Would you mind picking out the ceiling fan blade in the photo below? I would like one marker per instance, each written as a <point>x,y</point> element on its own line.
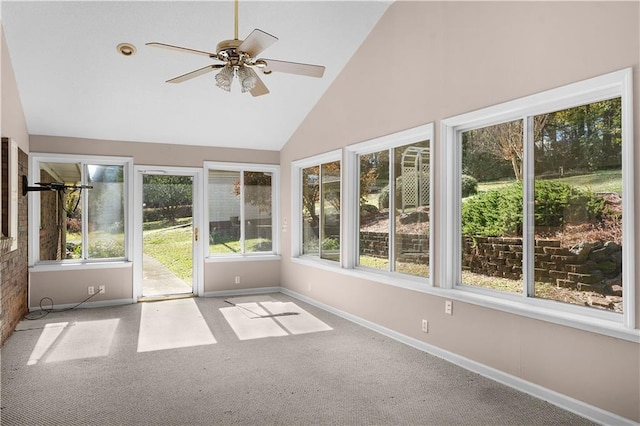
<point>181,49</point>
<point>196,73</point>
<point>259,89</point>
<point>292,68</point>
<point>256,42</point>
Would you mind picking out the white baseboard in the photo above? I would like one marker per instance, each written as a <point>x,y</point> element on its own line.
<point>96,304</point>
<point>243,292</point>
<point>563,401</point>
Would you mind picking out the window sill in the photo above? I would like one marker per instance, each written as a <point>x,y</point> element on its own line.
<point>242,258</point>
<point>75,266</point>
<point>607,323</point>
<point>389,278</point>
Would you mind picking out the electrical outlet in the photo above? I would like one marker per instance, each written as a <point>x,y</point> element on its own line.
<point>237,279</point>
<point>448,307</point>
<point>425,325</point>
<point>91,289</point>
<point>102,289</point>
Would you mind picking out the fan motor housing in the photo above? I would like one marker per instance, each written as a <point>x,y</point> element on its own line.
<point>229,48</point>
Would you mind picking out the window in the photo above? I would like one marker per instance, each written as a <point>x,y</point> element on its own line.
<point>540,209</point>
<point>241,209</point>
<point>319,199</point>
<point>394,209</point>
<point>367,207</point>
<point>81,212</point>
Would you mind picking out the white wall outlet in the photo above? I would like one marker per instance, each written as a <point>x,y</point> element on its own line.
<point>237,281</point>
<point>102,289</point>
<point>425,325</point>
<point>91,289</point>
<point>448,307</point>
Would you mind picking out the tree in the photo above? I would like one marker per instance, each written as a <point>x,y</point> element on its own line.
<point>167,193</point>
<point>257,190</point>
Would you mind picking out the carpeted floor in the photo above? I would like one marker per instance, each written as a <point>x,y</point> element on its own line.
<point>88,367</point>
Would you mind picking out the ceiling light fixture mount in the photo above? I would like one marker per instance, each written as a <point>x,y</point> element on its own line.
<point>126,49</point>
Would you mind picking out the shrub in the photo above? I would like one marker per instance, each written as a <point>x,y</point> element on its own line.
<point>330,244</point>
<point>499,212</point>
<point>74,225</point>
<point>102,249</point>
<point>383,199</point>
<point>469,185</point>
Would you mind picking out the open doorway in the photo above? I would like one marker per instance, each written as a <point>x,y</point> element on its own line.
<point>168,233</point>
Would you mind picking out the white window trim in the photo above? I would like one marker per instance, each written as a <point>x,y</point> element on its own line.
<point>393,140</point>
<point>615,84</point>
<point>349,202</point>
<point>274,169</point>
<point>297,207</point>
<point>34,207</point>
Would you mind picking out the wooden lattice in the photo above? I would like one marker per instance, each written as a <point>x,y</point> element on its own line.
<point>415,177</point>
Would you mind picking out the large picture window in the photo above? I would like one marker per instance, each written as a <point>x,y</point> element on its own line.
<point>82,214</point>
<point>542,198</point>
<point>241,209</point>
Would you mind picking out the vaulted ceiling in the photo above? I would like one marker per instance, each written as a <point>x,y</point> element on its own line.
<point>73,81</point>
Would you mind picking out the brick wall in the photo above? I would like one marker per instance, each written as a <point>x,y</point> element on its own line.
<point>51,215</point>
<point>13,270</point>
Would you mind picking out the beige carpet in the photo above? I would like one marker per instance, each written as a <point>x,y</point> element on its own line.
<point>87,367</point>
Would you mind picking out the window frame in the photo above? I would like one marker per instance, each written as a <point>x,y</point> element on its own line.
<point>274,169</point>
<point>607,86</point>
<point>35,160</point>
<point>349,205</point>
<point>296,205</point>
<point>393,140</point>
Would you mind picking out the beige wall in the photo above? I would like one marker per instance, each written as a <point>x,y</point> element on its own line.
<point>427,61</point>
<point>220,276</point>
<point>153,154</point>
<point>69,285</point>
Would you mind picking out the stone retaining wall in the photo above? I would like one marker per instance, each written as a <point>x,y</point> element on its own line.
<point>586,266</point>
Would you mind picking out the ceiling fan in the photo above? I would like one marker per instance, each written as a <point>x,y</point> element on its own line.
<point>238,58</point>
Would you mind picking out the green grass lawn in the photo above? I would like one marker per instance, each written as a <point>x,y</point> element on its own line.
<point>254,245</point>
<point>600,181</point>
<point>416,269</point>
<point>173,248</point>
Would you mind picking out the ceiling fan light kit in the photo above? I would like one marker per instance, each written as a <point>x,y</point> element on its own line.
<point>238,59</point>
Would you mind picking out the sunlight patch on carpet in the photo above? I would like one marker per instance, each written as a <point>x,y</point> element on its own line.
<point>86,339</point>
<point>50,333</point>
<point>270,319</point>
<point>172,324</point>
<point>302,323</point>
<point>244,319</point>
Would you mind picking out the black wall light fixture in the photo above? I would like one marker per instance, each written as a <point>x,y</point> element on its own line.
<point>50,186</point>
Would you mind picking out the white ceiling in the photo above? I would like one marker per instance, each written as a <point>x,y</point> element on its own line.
<point>73,82</point>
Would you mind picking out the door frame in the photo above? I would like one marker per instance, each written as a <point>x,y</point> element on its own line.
<point>198,259</point>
